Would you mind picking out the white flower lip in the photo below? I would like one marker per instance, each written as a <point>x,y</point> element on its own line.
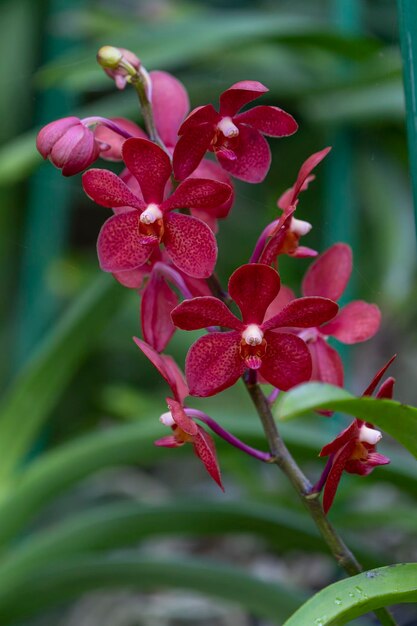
<point>369,435</point>
<point>253,335</point>
<point>166,419</point>
<point>151,214</point>
<point>227,127</point>
<point>300,227</point>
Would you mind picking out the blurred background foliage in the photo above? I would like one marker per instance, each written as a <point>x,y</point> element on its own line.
<point>86,501</point>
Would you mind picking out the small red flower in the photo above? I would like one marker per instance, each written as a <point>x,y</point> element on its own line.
<point>218,359</point>
<point>127,239</point>
<point>354,449</point>
<point>283,236</point>
<point>185,430</point>
<point>69,144</point>
<point>235,138</point>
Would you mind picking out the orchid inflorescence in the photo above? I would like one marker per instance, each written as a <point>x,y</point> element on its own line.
<point>169,193</point>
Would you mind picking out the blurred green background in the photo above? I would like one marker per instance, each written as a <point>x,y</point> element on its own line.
<point>80,404</point>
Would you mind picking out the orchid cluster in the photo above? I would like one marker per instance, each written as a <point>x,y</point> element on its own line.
<point>160,240</point>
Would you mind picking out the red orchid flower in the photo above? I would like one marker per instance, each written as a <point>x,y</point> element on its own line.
<point>127,239</point>
<point>235,138</point>
<point>184,429</point>
<point>356,322</point>
<point>354,449</point>
<point>215,361</point>
<point>283,235</point>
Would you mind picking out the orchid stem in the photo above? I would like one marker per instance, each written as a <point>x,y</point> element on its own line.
<point>172,275</point>
<point>284,460</point>
<point>265,457</point>
<point>103,121</point>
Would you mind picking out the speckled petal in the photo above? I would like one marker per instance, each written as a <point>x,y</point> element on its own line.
<point>253,156</point>
<point>167,367</point>
<point>214,363</point>
<point>335,474</point>
<point>287,361</point>
<point>203,312</point>
<point>150,165</point>
<point>190,149</point>
<point>158,300</point>
<point>120,246</point>
<point>109,190</point>
<point>198,193</point>
<point>253,287</point>
<point>304,313</point>
<point>327,364</point>
<point>269,120</point>
<point>205,450</point>
<point>190,244</point>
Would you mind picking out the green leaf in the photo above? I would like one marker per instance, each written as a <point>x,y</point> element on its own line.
<point>113,526</point>
<point>37,388</point>
<point>399,420</point>
<point>347,599</point>
<point>66,580</point>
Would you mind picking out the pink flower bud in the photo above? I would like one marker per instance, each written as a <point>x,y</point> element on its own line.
<point>68,144</point>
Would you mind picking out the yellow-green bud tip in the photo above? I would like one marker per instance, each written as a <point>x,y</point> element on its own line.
<point>109,57</point>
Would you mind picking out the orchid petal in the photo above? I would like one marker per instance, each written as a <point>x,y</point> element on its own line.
<point>109,190</point>
<point>190,149</point>
<point>104,135</point>
<point>351,433</point>
<point>52,132</point>
<point>75,150</point>
<point>327,364</point>
<point>253,287</point>
<point>253,156</point>
<point>239,94</point>
<point>213,171</point>
<point>335,474</point>
<point>206,114</point>
<point>168,442</point>
<point>377,378</point>
<point>355,322</point>
<point>190,244</point>
<point>205,449</point>
<point>158,300</point>
<point>198,193</point>
<point>290,196</point>
<point>150,165</point>
<point>167,367</point>
<point>287,361</point>
<point>285,296</point>
<point>120,246</point>
<point>330,273</point>
<point>132,279</point>
<point>387,389</point>
<point>269,120</point>
<point>170,105</point>
<point>203,312</point>
<point>181,418</point>
<point>303,313</point>
<point>214,363</point>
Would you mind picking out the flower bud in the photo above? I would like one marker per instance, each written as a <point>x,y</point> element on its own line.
<point>118,63</point>
<point>68,144</point>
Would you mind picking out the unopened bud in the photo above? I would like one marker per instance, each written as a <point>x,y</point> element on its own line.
<point>109,57</point>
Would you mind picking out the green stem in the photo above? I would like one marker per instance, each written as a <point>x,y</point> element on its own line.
<point>284,460</point>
